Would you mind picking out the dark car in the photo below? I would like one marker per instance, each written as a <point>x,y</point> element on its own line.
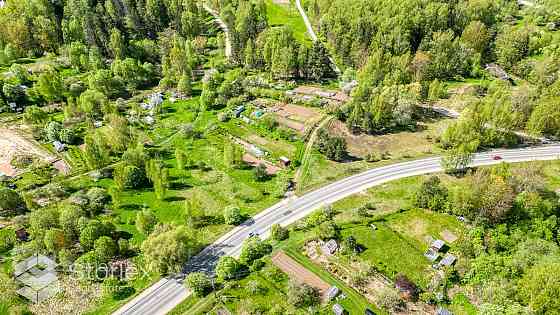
<point>369,312</point>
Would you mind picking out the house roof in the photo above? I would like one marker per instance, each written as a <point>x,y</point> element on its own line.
<point>332,292</point>
<point>330,247</point>
<point>431,254</point>
<point>443,311</point>
<point>438,244</point>
<point>448,260</point>
<point>338,309</point>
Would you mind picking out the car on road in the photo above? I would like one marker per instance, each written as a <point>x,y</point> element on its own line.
<point>497,157</point>
<point>253,234</point>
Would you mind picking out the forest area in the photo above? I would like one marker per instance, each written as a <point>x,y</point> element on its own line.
<point>156,122</point>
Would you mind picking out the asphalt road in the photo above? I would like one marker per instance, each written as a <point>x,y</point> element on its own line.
<point>168,293</point>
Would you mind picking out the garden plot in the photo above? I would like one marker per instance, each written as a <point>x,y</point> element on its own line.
<point>330,96</point>
<point>296,117</point>
<point>299,272</point>
<point>13,143</point>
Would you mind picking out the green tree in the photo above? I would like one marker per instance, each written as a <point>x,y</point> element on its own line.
<point>50,85</point>
<point>93,231</point>
<point>253,248</point>
<point>302,295</point>
<point>35,115</point>
<point>431,195</point>
<point>512,45</point>
<point>166,251</point>
<point>129,177</point>
<point>181,158</point>
<point>260,173</point>
<point>117,44</point>
<point>158,174</point>
<point>199,283</point>
<point>145,221</point>
<point>228,268</point>
<point>105,248</point>
<point>69,218</point>
<point>185,84</point>
<point>95,152</point>
<point>11,202</point>
<point>232,215</point>
<point>54,240</point>
<point>540,287</point>
<point>279,233</point>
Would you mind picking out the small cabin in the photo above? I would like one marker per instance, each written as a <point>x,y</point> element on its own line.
<point>338,309</point>
<point>330,247</point>
<point>285,161</point>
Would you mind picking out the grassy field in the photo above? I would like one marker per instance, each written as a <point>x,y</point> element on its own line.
<point>396,147</point>
<point>287,14</point>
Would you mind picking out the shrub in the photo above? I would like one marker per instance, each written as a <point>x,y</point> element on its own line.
<point>254,248</point>
<point>232,215</point>
<point>279,233</point>
<point>199,283</point>
<point>11,202</point>
<point>302,295</point>
<point>228,268</point>
<point>129,176</point>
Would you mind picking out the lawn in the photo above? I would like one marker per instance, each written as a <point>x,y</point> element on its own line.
<point>389,251</point>
<point>287,14</point>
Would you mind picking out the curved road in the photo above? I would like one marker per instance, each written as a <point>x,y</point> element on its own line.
<point>168,293</point>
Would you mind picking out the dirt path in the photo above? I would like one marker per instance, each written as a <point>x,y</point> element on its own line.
<point>223,26</point>
<point>304,168</point>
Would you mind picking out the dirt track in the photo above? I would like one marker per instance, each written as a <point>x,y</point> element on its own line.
<point>298,272</point>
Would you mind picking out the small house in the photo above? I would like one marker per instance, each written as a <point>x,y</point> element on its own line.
<point>146,106</point>
<point>156,99</point>
<point>246,120</point>
<point>256,151</point>
<point>237,112</point>
<point>149,120</point>
<point>338,309</point>
<point>332,292</point>
<point>448,260</point>
<point>285,161</point>
<point>330,247</point>
<point>258,114</point>
<point>98,124</point>
<point>431,255</point>
<point>58,146</point>
<point>373,226</point>
<point>437,245</point>
<point>443,311</point>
